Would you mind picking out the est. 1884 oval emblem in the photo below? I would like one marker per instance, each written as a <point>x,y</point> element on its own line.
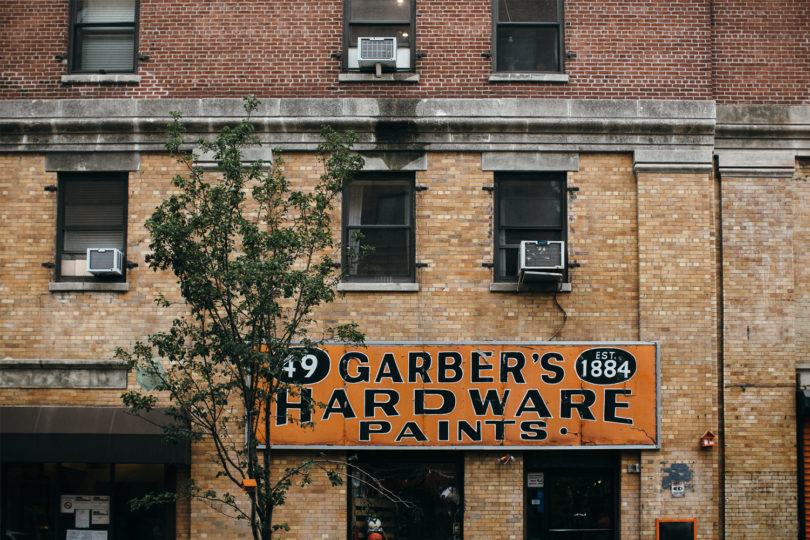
<point>606,365</point>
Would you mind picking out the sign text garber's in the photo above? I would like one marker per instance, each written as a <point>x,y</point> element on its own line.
<point>482,395</point>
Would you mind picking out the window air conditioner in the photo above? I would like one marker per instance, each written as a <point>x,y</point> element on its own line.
<point>377,50</point>
<point>105,261</point>
<point>542,260</point>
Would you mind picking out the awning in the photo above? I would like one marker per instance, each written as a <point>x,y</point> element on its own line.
<point>86,434</point>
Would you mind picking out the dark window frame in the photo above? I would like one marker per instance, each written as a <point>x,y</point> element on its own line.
<point>66,177</point>
<point>501,177</point>
<point>380,177</point>
<point>385,457</point>
<point>75,33</point>
<point>559,24</point>
<point>348,23</point>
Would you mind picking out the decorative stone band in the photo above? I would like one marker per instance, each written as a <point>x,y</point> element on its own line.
<point>384,126</point>
<point>59,373</point>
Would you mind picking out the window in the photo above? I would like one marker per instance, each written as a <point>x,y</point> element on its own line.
<point>46,500</point>
<point>528,35</point>
<point>92,214</point>
<point>104,36</point>
<point>378,229</point>
<point>430,486</point>
<point>379,19</point>
<point>528,206</point>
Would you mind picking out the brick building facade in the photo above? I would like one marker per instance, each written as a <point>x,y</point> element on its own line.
<point>674,133</point>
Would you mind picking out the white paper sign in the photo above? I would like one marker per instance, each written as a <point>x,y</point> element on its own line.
<point>535,480</point>
<point>82,518</point>
<point>100,517</point>
<point>75,534</point>
<point>67,504</point>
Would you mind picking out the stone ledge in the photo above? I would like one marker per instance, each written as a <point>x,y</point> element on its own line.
<point>378,287</point>
<point>87,286</point>
<point>529,77</point>
<point>62,373</point>
<point>106,78</point>
<point>406,77</point>
<point>510,286</point>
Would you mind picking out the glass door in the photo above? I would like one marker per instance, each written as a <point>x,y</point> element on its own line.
<point>570,504</point>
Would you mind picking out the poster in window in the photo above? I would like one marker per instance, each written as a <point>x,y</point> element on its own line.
<point>82,518</point>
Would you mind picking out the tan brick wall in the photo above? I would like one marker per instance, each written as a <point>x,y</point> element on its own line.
<point>762,219</point>
<point>677,305</point>
<point>646,246</point>
<point>494,497</point>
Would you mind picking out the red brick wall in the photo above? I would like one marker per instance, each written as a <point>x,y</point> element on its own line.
<point>624,50</point>
<point>762,51</point>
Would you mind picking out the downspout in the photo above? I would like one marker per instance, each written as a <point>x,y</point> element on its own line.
<point>721,368</point>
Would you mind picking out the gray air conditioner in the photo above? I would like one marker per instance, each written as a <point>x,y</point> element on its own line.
<point>377,50</point>
<point>105,261</point>
<point>542,260</point>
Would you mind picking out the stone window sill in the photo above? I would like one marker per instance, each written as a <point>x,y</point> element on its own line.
<point>87,286</point>
<point>108,78</point>
<point>511,286</point>
<point>529,77</point>
<point>378,287</point>
<point>396,76</point>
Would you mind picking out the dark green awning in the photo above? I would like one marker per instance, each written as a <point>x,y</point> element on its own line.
<point>86,434</point>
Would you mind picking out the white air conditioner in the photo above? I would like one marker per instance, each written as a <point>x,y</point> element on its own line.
<point>542,260</point>
<point>105,261</point>
<point>377,50</point>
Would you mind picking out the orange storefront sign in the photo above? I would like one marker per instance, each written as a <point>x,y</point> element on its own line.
<point>489,395</point>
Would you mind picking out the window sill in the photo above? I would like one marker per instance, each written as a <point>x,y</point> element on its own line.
<point>109,78</point>
<point>512,286</point>
<point>396,76</point>
<point>87,286</point>
<point>378,287</point>
<point>528,77</point>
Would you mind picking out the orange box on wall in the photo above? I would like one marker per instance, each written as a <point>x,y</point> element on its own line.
<point>487,395</point>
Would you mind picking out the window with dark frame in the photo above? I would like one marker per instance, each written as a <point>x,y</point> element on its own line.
<point>378,232</point>
<point>430,489</point>
<point>528,206</point>
<point>379,19</point>
<point>528,35</point>
<point>92,213</point>
<point>103,36</point>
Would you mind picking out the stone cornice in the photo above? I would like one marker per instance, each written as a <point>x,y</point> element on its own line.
<point>759,141</point>
<point>491,125</point>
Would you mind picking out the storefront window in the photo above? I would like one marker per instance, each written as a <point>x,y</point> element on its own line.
<point>59,501</point>
<point>429,489</point>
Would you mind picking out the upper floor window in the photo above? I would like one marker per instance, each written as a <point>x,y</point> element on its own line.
<point>528,35</point>
<point>92,215</point>
<point>103,36</point>
<point>378,230</point>
<point>528,206</point>
<point>392,19</point>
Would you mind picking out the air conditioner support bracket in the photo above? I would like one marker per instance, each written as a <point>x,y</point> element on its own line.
<point>378,70</point>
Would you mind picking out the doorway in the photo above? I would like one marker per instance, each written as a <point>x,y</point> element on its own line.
<point>570,499</point>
